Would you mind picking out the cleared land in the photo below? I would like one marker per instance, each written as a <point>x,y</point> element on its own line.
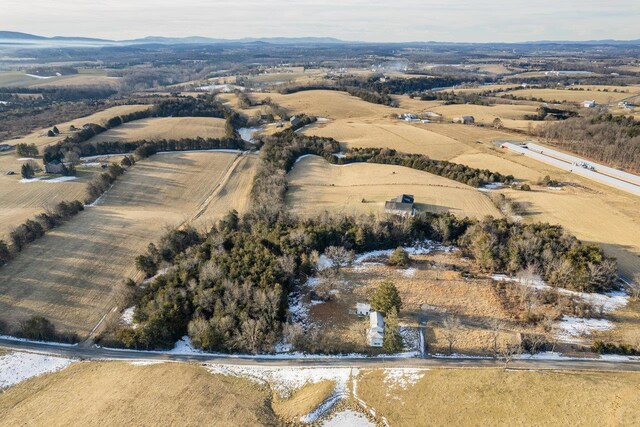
<point>41,139</point>
<point>118,393</point>
<point>394,134</point>
<point>20,201</point>
<point>316,185</point>
<point>505,398</point>
<point>88,78</point>
<point>157,128</point>
<point>565,95</point>
<point>69,275</point>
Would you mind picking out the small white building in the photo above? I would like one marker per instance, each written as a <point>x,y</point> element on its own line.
<point>375,335</point>
<point>363,309</point>
<point>465,120</point>
<point>589,104</point>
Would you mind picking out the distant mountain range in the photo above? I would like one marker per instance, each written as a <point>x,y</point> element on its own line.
<point>24,38</point>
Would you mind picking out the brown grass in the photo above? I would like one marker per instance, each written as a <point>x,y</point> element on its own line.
<point>156,128</point>
<point>303,401</point>
<point>564,95</point>
<point>117,393</point>
<point>316,185</point>
<point>474,397</point>
<point>69,275</point>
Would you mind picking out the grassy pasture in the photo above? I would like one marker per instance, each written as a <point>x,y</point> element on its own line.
<point>156,128</point>
<point>565,95</point>
<point>315,185</point>
<point>69,275</point>
<point>402,136</point>
<point>119,393</point>
<point>473,397</point>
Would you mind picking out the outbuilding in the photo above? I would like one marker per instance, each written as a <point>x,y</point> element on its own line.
<point>465,120</point>
<point>363,309</point>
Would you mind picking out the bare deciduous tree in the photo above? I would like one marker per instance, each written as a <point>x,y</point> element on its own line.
<point>451,329</point>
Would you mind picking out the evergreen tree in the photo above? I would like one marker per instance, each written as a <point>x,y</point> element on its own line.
<point>386,298</point>
<point>392,340</point>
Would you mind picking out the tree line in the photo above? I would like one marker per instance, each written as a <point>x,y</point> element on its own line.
<point>608,138</point>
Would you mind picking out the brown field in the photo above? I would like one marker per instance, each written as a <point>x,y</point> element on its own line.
<point>79,80</point>
<point>329,104</point>
<point>19,202</point>
<point>565,95</point>
<point>41,139</point>
<point>157,128</point>
<point>316,185</point>
<point>474,397</point>
<point>69,275</point>
<point>402,136</point>
<point>118,393</point>
<point>303,400</point>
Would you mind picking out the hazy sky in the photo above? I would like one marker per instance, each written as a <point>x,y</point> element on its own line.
<point>365,20</point>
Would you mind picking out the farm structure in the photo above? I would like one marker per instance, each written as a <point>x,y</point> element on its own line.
<point>375,334</point>
<point>589,104</point>
<point>465,120</point>
<point>401,206</point>
<point>363,309</point>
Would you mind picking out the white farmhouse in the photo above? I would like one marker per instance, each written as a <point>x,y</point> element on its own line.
<point>363,309</point>
<point>589,104</point>
<point>376,329</point>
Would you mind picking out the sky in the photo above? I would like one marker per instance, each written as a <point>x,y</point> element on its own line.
<point>355,20</point>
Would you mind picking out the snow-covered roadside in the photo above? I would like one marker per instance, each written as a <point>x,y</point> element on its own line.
<point>57,344</point>
<point>17,367</point>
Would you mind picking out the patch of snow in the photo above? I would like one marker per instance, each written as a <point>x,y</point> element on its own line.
<point>184,346</point>
<point>316,302</point>
<point>17,367</point>
<point>403,377</point>
<point>25,159</point>
<point>303,157</point>
<point>286,379</point>
<point>213,150</point>
<point>610,301</point>
<point>35,76</point>
<point>420,248</point>
<point>146,362</point>
<point>348,417</point>
<point>127,316</point>
<point>322,120</point>
<point>409,272</point>
<point>552,355</point>
<point>340,155</point>
<point>491,186</point>
<point>43,179</point>
<point>570,328</point>
<point>247,133</point>
<point>155,276</point>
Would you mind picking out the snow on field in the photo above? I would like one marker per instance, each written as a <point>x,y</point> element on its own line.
<point>610,301</point>
<point>348,417</point>
<point>409,272</point>
<point>570,328</point>
<point>552,355</point>
<point>127,316</point>
<point>43,179</point>
<point>146,362</point>
<point>302,157</point>
<point>35,76</point>
<point>247,133</point>
<point>17,367</point>
<point>491,186</point>
<point>403,377</point>
<point>25,159</point>
<point>287,379</point>
<point>10,338</point>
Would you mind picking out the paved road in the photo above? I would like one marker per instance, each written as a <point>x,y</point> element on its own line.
<point>98,353</point>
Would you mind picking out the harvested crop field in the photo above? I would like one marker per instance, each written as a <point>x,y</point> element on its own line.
<point>329,103</point>
<point>401,136</point>
<point>119,393</point>
<point>69,275</point>
<point>565,95</point>
<point>316,185</point>
<point>156,128</point>
<point>21,201</point>
<point>41,139</point>
<point>466,397</point>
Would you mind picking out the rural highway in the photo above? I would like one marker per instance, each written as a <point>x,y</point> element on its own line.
<point>98,353</point>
